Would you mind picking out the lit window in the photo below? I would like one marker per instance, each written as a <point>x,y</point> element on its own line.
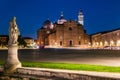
<point>118,43</point>
<point>111,43</point>
<point>60,37</point>
<point>101,44</point>
<point>105,43</point>
<point>79,37</point>
<point>117,34</point>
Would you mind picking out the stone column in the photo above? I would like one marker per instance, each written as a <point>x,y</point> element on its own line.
<point>12,62</point>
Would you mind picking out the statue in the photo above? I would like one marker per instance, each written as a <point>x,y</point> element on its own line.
<point>12,62</point>
<point>13,32</point>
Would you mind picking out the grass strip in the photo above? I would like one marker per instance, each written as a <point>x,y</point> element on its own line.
<point>69,66</point>
<point>2,62</point>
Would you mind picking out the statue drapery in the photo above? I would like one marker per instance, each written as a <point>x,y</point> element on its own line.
<point>13,32</point>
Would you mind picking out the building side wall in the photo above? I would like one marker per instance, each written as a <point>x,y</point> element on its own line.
<point>40,37</point>
<point>59,35</point>
<point>52,39</point>
<point>111,38</point>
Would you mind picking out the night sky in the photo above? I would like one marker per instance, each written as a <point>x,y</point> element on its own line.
<point>99,15</point>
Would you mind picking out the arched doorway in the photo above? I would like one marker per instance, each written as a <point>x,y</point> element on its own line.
<point>70,42</point>
<point>79,43</point>
<point>60,43</point>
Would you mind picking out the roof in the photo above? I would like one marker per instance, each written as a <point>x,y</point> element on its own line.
<point>104,32</point>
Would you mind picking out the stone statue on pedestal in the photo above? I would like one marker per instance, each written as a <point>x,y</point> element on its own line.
<point>13,32</point>
<point>12,61</point>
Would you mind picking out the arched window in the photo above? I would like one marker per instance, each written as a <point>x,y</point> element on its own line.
<point>70,28</point>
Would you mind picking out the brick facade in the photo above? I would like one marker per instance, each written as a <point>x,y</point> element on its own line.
<point>68,34</point>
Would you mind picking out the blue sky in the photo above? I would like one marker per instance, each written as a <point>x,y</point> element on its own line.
<point>99,15</point>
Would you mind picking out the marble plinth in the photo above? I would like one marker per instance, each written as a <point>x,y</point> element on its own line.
<point>12,62</point>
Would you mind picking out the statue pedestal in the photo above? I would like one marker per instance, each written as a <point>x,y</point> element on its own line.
<point>12,61</point>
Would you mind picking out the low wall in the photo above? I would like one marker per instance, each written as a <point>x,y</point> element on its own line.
<point>26,73</point>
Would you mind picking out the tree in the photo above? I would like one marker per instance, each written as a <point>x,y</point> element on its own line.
<point>21,41</point>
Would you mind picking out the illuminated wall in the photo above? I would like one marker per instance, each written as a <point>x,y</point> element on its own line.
<point>108,38</point>
<point>68,34</point>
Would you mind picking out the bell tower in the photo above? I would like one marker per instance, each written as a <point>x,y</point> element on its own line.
<point>80,17</point>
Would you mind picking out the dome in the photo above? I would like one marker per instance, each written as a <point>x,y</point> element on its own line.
<point>48,24</point>
<point>62,19</point>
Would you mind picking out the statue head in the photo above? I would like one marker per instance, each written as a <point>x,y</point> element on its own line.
<point>14,18</point>
<point>13,21</point>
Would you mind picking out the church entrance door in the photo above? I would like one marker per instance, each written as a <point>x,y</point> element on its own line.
<point>71,43</point>
<point>60,43</point>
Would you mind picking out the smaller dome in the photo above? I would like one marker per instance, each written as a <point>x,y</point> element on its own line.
<point>48,24</point>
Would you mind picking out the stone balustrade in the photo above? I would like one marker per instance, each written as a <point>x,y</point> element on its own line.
<point>26,73</point>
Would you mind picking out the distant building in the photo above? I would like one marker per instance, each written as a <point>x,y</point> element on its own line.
<point>4,40</point>
<point>106,38</point>
<point>63,32</point>
<point>29,41</point>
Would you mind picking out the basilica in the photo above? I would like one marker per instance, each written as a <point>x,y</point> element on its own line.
<point>63,33</point>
